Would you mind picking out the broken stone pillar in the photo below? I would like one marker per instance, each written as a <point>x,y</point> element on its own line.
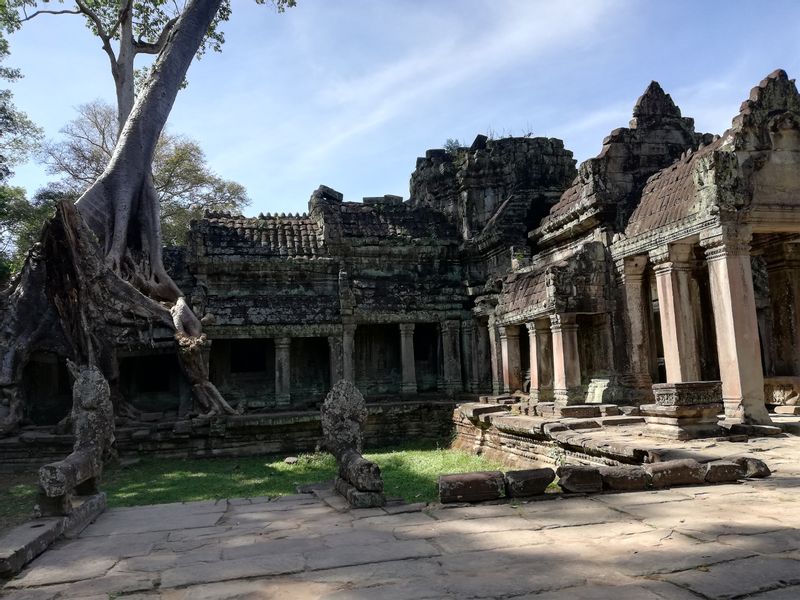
<point>409,383</point>
<point>509,346</point>
<point>783,271</point>
<point>673,271</point>
<point>470,355</point>
<point>566,360</point>
<point>451,356</point>
<point>283,382</point>
<point>684,410</point>
<point>348,351</point>
<point>342,416</point>
<point>336,363</point>
<point>738,346</point>
<point>495,355</point>
<point>635,319</point>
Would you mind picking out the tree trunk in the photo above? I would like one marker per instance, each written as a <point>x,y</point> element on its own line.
<point>123,74</point>
<point>76,297</point>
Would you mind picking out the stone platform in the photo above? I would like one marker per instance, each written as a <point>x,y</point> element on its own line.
<point>726,541</point>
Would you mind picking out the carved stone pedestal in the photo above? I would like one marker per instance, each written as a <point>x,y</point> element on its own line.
<point>685,411</point>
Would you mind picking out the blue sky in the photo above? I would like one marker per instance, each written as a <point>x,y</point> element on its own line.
<point>349,93</point>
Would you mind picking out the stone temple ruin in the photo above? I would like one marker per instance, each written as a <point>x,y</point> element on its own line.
<point>660,280</point>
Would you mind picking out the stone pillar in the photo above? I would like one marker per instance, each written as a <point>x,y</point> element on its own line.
<point>673,271</point>
<point>483,357</point>
<point>283,381</point>
<point>470,352</point>
<point>783,270</point>
<point>636,325</point>
<point>348,351</point>
<point>336,363</point>
<point>566,360</point>
<point>544,360</point>
<point>451,356</point>
<point>409,384</point>
<point>734,304</point>
<point>509,346</point>
<point>496,358</point>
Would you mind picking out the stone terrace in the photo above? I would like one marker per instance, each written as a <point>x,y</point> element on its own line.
<point>679,543</point>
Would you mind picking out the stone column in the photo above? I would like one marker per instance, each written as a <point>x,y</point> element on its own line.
<point>470,355</point>
<point>635,322</point>
<point>348,351</point>
<point>783,270</point>
<point>673,271</point>
<point>495,355</point>
<point>544,359</point>
<point>409,384</point>
<point>566,359</point>
<point>451,356</point>
<point>336,364</point>
<point>509,346</point>
<point>483,357</point>
<point>283,381</point>
<point>734,304</point>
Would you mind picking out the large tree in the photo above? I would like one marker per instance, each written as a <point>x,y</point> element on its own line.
<point>185,184</point>
<point>18,138</point>
<point>98,270</point>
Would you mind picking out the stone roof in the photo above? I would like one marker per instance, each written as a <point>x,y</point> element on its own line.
<point>607,185</point>
<point>669,195</point>
<point>266,235</point>
<point>393,220</point>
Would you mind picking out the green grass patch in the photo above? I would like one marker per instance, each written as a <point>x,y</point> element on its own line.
<point>409,472</point>
<point>17,497</point>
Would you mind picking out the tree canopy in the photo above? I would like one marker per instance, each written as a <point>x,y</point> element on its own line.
<point>126,29</point>
<point>185,184</point>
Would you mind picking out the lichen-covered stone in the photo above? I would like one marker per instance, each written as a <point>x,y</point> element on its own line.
<point>471,487</point>
<point>579,479</point>
<point>676,472</point>
<point>344,413</point>
<point>528,482</point>
<point>624,478</point>
<point>753,467</point>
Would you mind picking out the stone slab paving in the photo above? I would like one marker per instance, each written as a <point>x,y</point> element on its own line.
<point>725,541</point>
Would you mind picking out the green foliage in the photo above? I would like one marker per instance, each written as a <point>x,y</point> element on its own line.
<point>453,146</point>
<point>185,184</point>
<point>17,497</point>
<point>151,19</point>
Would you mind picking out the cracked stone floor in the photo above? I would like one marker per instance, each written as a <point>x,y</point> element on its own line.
<point>726,541</point>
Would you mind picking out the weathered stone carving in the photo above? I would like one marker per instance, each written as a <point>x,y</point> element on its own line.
<point>344,413</point>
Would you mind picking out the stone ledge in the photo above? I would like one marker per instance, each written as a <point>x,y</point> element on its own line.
<point>25,542</point>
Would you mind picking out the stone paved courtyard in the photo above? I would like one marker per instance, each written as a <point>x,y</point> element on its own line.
<point>726,541</point>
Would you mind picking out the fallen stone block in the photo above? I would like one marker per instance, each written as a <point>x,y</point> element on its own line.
<point>471,487</point>
<point>676,472</point>
<point>720,471</point>
<point>529,482</point>
<point>787,410</point>
<point>624,478</point>
<point>752,467</point>
<point>579,479</point>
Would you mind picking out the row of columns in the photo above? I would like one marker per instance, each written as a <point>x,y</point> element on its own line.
<point>733,304</point>
<point>554,359</point>
<point>343,364</point>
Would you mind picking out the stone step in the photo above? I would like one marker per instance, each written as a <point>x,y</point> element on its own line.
<point>579,411</point>
<point>787,410</point>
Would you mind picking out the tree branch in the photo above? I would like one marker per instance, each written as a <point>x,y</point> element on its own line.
<point>83,8</point>
<point>142,47</point>
<point>49,12</point>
